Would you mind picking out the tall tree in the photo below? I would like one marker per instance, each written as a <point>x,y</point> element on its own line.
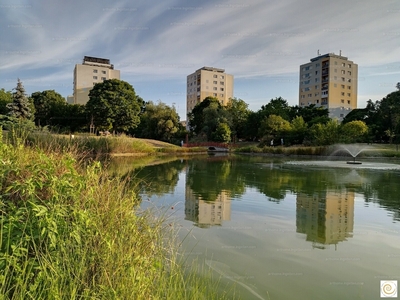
<point>48,104</point>
<point>114,105</point>
<point>238,112</point>
<point>19,107</point>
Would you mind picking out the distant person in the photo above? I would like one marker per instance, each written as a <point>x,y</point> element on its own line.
<point>272,143</point>
<point>182,143</point>
<point>281,141</point>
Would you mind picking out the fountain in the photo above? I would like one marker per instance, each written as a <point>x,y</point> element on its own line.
<point>348,149</point>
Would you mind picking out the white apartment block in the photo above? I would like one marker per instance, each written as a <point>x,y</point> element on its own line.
<point>93,70</point>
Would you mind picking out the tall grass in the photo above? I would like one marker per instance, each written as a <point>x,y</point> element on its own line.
<point>72,232</point>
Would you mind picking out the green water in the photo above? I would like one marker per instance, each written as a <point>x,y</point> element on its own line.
<point>284,230</point>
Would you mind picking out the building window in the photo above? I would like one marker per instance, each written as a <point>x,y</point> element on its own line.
<point>94,71</point>
<point>307,89</point>
<point>317,101</point>
<point>343,72</point>
<point>222,89</point>
<point>316,87</point>
<point>348,101</point>
<point>317,65</point>
<point>103,72</point>
<point>342,93</point>
<point>335,62</point>
<point>103,78</point>
<point>94,77</point>
<point>349,65</point>
<point>222,76</point>
<point>343,79</point>
<point>349,87</point>
<point>335,70</point>
<point>316,79</point>
<point>349,80</point>
<point>342,100</point>
<point>215,76</point>
<point>221,83</point>
<point>214,88</point>
<point>343,64</point>
<point>215,82</point>
<point>335,77</point>
<point>348,95</point>
<point>342,86</point>
<point>221,95</point>
<point>215,95</point>
<point>349,72</point>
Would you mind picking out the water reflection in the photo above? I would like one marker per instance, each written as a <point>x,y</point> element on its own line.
<point>207,213</point>
<point>326,218</point>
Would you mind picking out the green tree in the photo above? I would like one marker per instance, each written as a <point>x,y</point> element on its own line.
<point>297,131</point>
<point>48,104</point>
<point>158,121</point>
<point>196,116</point>
<point>274,126</point>
<point>238,113</point>
<point>353,131</point>
<point>222,133</point>
<point>325,134</point>
<point>5,98</point>
<point>311,114</point>
<point>20,107</point>
<point>113,105</point>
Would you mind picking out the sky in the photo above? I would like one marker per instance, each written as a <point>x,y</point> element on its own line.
<point>156,44</point>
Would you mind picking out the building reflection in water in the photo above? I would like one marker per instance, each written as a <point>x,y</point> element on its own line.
<point>207,213</point>
<point>326,218</point>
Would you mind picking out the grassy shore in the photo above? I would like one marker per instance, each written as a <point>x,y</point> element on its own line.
<point>110,145</point>
<point>69,231</point>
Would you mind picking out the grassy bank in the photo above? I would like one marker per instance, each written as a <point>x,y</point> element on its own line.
<point>98,146</point>
<point>72,232</point>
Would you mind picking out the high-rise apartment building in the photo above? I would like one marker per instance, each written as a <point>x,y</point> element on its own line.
<point>207,82</point>
<point>329,81</point>
<point>93,70</point>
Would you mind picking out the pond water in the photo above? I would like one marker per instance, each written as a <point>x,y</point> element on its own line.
<point>280,229</point>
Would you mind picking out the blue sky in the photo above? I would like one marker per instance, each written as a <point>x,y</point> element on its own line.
<point>156,44</point>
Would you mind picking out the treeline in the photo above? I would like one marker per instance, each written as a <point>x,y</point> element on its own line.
<point>115,107</point>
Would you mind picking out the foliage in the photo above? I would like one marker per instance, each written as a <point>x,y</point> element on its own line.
<point>70,232</point>
<point>113,105</point>
<point>222,133</point>
<point>274,126</point>
<point>5,98</point>
<point>159,121</point>
<point>48,105</point>
<point>298,131</point>
<point>325,134</point>
<point>311,114</point>
<point>353,132</point>
<point>238,113</point>
<point>20,107</point>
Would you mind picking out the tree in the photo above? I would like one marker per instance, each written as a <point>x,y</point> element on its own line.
<point>158,121</point>
<point>19,107</point>
<point>325,134</point>
<point>5,98</point>
<point>278,107</point>
<point>113,105</point>
<point>311,114</point>
<point>48,104</point>
<point>298,131</point>
<point>196,116</point>
<point>222,133</point>
<point>274,127</point>
<point>238,113</point>
<point>353,131</point>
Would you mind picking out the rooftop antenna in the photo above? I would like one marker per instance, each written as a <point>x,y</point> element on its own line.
<point>318,53</point>
<point>340,52</point>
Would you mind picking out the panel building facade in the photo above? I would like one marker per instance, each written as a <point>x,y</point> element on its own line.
<point>329,81</point>
<point>206,82</point>
<point>92,70</point>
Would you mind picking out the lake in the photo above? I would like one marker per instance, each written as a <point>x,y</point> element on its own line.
<point>284,229</point>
